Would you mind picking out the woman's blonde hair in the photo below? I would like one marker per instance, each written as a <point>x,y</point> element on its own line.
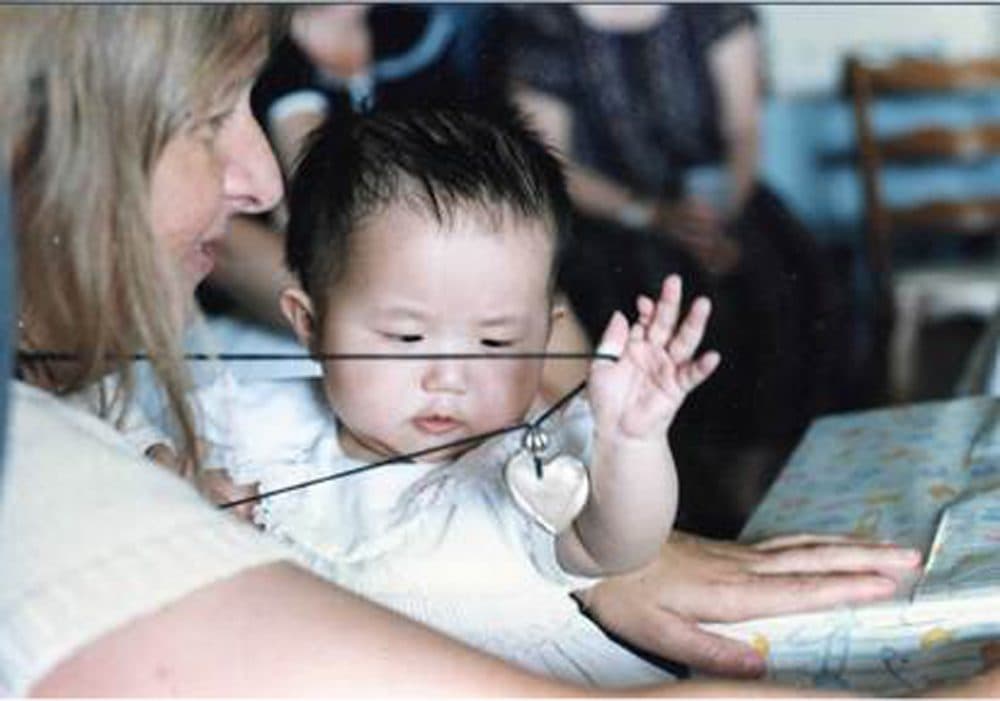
<point>90,97</point>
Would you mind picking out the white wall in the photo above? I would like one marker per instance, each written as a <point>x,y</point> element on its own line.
<point>806,44</point>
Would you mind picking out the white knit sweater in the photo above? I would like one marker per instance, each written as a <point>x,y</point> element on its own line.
<point>93,535</point>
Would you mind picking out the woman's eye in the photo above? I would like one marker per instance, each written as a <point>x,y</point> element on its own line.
<point>496,343</point>
<point>217,121</point>
<point>210,126</point>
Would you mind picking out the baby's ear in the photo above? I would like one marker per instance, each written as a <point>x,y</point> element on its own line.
<point>297,308</point>
<point>557,313</point>
<point>560,308</point>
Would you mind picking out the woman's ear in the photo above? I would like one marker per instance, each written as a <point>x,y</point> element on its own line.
<point>298,309</point>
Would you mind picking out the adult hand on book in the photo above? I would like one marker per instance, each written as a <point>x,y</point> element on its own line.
<point>696,580</point>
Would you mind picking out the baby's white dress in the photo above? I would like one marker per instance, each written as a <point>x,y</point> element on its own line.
<point>440,543</point>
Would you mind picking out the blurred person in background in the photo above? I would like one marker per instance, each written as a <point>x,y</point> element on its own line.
<point>338,59</point>
<point>657,110</point>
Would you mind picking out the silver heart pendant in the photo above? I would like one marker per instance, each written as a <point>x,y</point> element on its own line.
<point>552,495</point>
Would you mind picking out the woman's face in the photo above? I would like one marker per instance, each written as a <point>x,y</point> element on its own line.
<point>218,166</point>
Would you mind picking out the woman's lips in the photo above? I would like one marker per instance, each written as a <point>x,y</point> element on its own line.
<point>436,425</point>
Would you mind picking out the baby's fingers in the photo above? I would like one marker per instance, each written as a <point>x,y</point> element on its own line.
<point>665,314</point>
<point>646,309</point>
<point>614,338</point>
<point>165,456</point>
<point>220,488</point>
<point>690,375</point>
<point>684,343</point>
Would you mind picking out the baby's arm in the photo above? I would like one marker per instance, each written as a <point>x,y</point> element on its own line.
<point>633,497</point>
<point>216,403</point>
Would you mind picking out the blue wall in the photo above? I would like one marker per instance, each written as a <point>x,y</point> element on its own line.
<point>808,152</point>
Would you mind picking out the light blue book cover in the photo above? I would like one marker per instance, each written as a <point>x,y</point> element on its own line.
<point>926,475</point>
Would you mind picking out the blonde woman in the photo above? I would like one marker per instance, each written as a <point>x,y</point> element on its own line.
<point>128,137</point>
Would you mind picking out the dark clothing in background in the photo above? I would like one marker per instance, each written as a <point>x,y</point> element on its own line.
<point>643,102</point>
<point>421,55</point>
<point>643,111</point>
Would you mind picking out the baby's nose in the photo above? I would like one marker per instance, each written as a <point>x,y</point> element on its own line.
<point>445,375</point>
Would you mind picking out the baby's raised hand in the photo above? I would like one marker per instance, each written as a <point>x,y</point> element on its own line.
<point>638,395</point>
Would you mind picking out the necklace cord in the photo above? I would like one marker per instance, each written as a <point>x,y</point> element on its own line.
<point>55,356</point>
<point>478,438</point>
<point>50,356</point>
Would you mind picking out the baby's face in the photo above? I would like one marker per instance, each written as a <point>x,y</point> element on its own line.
<point>413,288</point>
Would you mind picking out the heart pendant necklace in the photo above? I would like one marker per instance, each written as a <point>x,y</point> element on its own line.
<point>551,490</point>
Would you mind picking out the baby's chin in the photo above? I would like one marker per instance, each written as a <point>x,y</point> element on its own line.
<point>370,450</point>
<point>425,450</point>
<point>445,455</point>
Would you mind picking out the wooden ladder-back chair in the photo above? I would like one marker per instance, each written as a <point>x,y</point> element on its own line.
<point>907,297</point>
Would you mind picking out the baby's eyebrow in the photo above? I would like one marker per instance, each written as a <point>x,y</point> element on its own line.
<point>400,312</point>
<point>506,320</point>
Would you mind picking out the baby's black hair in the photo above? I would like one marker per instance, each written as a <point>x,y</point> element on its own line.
<point>441,160</point>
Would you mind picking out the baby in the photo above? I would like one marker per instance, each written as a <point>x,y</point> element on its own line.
<point>425,235</point>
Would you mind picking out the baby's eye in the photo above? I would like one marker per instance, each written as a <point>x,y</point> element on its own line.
<point>497,343</point>
<point>404,337</point>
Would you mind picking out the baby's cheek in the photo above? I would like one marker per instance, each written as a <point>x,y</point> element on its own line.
<point>349,386</point>
<point>512,391</point>
<point>370,383</point>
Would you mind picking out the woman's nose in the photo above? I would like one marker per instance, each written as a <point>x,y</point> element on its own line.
<point>252,180</point>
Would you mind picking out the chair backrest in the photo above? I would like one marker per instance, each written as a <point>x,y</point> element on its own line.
<point>930,143</point>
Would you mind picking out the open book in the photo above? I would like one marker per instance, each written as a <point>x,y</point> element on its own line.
<point>926,475</point>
